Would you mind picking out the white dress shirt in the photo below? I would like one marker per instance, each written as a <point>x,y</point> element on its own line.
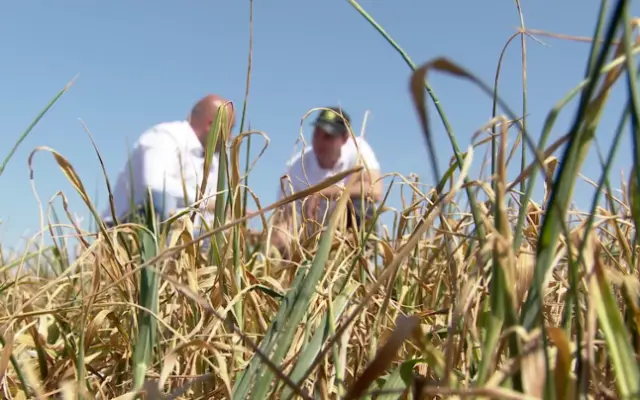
<point>164,158</point>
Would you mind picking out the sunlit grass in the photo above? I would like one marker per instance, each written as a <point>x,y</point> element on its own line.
<point>505,298</point>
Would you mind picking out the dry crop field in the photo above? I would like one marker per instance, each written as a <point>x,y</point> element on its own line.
<point>482,301</point>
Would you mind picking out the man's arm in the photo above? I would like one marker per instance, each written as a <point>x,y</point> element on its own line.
<point>366,182</point>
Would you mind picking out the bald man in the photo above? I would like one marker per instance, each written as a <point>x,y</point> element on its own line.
<point>169,160</point>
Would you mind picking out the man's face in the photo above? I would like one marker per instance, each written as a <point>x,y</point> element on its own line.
<point>327,147</point>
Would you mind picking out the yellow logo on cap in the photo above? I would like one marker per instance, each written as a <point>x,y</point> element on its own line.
<point>329,115</point>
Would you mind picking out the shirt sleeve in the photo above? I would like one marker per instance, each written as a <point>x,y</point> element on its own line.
<point>368,157</point>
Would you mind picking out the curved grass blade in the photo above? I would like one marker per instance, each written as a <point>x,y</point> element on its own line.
<point>550,120</point>
<point>437,104</point>
<point>502,308</point>
<point>34,123</point>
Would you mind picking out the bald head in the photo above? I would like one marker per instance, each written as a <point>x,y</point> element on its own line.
<point>204,113</point>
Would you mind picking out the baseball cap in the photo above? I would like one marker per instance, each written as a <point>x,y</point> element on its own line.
<point>333,121</point>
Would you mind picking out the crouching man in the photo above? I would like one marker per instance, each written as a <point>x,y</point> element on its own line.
<point>333,151</point>
<point>168,160</point>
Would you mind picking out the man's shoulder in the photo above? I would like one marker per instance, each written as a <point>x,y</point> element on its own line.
<point>361,141</point>
<point>358,144</point>
<point>164,132</point>
<point>359,147</point>
<point>299,157</point>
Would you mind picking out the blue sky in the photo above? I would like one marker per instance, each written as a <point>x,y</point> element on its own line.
<point>141,63</point>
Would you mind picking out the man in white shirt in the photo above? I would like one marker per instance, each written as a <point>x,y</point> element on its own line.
<point>333,150</point>
<point>168,159</point>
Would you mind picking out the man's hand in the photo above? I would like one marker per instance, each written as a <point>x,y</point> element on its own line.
<point>365,183</point>
<point>312,202</point>
<point>210,206</point>
<point>311,205</point>
<point>280,242</point>
<point>332,192</point>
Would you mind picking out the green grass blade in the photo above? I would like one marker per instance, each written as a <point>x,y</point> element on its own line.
<point>523,41</point>
<point>244,378</point>
<point>148,299</point>
<point>581,135</point>
<point>313,347</point>
<point>244,113</point>
<point>439,109</point>
<point>634,97</point>
<point>399,380</point>
<point>33,124</point>
<point>301,303</point>
<point>551,118</point>
<point>572,305</point>
<point>616,335</point>
<point>597,36</point>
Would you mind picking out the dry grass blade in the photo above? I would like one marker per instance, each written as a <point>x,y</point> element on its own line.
<point>74,179</point>
<point>504,394</point>
<point>207,307</point>
<point>405,328</point>
<point>7,348</point>
<point>296,196</point>
<point>140,308</point>
<point>539,32</point>
<point>563,362</point>
<point>613,326</point>
<point>390,269</point>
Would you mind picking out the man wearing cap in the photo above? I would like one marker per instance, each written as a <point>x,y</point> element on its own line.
<point>333,150</point>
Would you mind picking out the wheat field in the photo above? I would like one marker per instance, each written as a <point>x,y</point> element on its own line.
<point>475,290</point>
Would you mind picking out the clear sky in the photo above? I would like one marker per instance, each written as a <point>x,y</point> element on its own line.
<point>141,63</point>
